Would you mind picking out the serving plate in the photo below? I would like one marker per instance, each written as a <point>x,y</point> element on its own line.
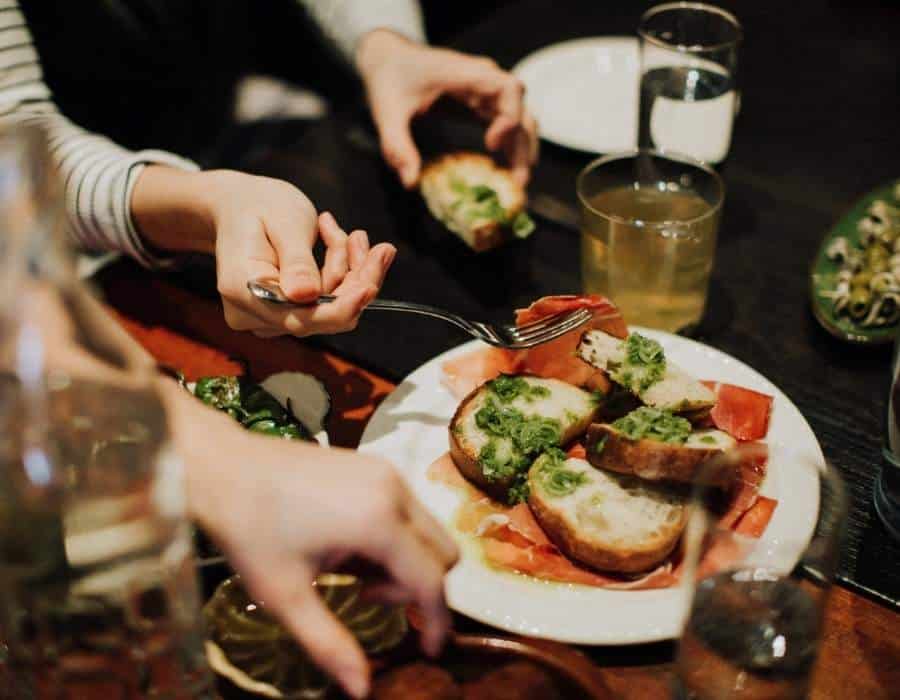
<point>584,92</point>
<point>821,276</point>
<point>410,429</point>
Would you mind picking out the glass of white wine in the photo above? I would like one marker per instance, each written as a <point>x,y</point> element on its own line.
<point>649,221</point>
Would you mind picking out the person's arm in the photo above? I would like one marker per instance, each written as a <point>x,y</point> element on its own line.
<point>150,204</point>
<point>346,22</point>
<point>99,175</point>
<point>403,76</point>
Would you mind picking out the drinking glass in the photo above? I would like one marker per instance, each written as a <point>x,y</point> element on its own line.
<point>887,486</point>
<point>648,235</point>
<point>98,592</point>
<point>758,604</point>
<point>688,98</point>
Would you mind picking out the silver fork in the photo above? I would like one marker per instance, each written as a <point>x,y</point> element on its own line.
<point>499,335</point>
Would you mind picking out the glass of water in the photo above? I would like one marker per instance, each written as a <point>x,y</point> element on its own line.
<point>688,98</point>
<point>887,486</point>
<point>760,584</point>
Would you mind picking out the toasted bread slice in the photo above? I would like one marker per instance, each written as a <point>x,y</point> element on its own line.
<point>572,408</point>
<point>607,448</point>
<point>675,391</point>
<point>458,188</point>
<point>607,521</point>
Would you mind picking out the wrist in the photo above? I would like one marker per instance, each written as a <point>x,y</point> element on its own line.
<point>374,46</point>
<point>173,210</point>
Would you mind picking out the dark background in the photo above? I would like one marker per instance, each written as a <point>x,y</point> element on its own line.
<point>818,128</point>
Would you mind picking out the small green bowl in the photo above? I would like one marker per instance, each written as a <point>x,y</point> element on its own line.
<point>823,272</point>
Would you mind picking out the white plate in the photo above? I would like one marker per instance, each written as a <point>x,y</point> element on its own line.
<point>584,92</point>
<point>410,429</point>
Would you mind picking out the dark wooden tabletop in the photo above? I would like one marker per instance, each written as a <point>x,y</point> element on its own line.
<point>817,129</point>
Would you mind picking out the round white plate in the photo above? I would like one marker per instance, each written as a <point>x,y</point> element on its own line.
<point>584,92</point>
<point>410,429</point>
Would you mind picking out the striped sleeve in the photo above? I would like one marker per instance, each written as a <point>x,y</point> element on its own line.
<point>98,174</point>
<point>345,22</point>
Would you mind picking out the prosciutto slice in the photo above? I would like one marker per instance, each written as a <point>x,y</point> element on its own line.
<point>742,413</point>
<point>556,359</point>
<point>511,538</point>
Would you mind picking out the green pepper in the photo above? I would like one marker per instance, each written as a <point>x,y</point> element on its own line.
<point>860,301</point>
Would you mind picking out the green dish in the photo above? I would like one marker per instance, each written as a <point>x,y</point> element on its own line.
<point>824,271</point>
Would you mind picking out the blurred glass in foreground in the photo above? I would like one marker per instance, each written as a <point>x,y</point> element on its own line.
<point>754,626</point>
<point>649,222</point>
<point>98,596</point>
<point>688,98</point>
<point>887,486</point>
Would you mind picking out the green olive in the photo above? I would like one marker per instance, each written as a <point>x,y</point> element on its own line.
<point>861,278</point>
<point>876,251</point>
<point>860,300</point>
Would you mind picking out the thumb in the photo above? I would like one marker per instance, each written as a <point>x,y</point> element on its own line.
<point>397,144</point>
<point>298,272</point>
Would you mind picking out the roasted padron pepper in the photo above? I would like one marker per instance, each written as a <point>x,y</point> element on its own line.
<point>252,406</point>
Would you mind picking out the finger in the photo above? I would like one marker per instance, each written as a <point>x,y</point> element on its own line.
<point>431,531</point>
<point>337,262</point>
<point>357,248</point>
<point>265,335</point>
<point>416,567</point>
<point>534,141</point>
<point>239,319</point>
<point>390,593</point>
<point>509,113</point>
<point>336,317</point>
<point>374,268</point>
<point>518,153</point>
<point>397,144</point>
<point>328,642</point>
<point>293,243</point>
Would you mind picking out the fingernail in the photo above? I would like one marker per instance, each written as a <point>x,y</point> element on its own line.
<point>328,217</point>
<point>387,257</point>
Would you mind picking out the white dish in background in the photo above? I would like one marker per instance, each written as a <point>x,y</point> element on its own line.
<point>410,429</point>
<point>584,92</point>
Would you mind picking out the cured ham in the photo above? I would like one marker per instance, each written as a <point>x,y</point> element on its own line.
<point>556,359</point>
<point>742,413</point>
<point>749,474</point>
<point>511,538</point>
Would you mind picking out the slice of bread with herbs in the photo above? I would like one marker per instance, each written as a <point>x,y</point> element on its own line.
<point>607,521</point>
<point>639,365</point>
<point>658,446</point>
<point>476,199</point>
<point>505,424</point>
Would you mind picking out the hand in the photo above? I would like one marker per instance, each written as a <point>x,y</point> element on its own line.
<point>260,227</point>
<point>403,79</point>
<point>321,507</point>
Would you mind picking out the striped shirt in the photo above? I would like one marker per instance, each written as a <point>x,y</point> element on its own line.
<point>98,174</point>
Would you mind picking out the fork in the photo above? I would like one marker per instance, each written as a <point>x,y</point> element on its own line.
<point>499,335</point>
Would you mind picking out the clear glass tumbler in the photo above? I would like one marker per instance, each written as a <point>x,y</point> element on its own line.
<point>649,222</point>
<point>688,98</point>
<point>760,589</point>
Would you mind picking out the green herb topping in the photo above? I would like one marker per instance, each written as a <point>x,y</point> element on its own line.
<point>653,424</point>
<point>600,444</point>
<point>708,439</point>
<point>554,478</point>
<point>516,441</point>
<point>644,364</point>
<point>251,405</point>
<point>479,202</point>
<point>508,387</point>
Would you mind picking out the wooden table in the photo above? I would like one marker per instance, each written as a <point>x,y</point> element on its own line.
<point>860,656</point>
